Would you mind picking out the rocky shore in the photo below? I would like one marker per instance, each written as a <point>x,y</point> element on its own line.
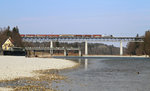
<point>17,68</point>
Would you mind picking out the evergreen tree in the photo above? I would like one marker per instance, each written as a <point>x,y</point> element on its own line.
<point>16,37</point>
<point>5,34</point>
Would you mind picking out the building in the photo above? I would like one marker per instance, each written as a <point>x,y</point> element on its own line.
<point>8,44</point>
<point>8,48</point>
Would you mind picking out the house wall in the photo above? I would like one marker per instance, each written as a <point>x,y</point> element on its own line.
<point>8,44</point>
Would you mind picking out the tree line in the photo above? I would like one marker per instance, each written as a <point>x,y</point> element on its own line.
<point>140,48</point>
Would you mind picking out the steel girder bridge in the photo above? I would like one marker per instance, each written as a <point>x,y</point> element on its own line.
<point>86,40</point>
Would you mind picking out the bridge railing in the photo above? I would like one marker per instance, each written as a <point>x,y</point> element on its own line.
<point>102,39</point>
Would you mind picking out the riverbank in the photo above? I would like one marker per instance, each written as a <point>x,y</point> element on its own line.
<point>104,56</point>
<point>12,67</point>
<point>142,56</point>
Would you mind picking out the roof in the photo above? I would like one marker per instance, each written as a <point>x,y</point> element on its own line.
<point>8,39</point>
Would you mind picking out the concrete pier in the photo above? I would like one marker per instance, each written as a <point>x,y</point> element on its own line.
<point>86,48</point>
<point>80,54</point>
<point>121,48</point>
<point>51,46</point>
<point>65,52</point>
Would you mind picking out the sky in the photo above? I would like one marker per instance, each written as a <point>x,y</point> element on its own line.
<point>110,17</point>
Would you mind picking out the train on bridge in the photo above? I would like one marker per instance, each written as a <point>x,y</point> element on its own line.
<point>65,36</point>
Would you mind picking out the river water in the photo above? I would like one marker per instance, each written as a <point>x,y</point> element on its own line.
<point>107,74</point>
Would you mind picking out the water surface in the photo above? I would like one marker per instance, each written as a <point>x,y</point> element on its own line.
<point>107,74</point>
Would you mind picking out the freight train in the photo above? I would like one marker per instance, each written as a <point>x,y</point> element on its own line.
<point>65,36</point>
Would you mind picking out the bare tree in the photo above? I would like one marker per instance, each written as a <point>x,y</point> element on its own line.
<point>147,43</point>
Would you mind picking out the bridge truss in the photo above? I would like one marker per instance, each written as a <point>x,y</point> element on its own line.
<point>86,40</point>
<point>66,39</point>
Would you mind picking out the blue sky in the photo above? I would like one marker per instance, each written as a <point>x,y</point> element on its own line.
<point>116,17</point>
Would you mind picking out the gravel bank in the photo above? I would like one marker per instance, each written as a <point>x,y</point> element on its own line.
<point>12,67</point>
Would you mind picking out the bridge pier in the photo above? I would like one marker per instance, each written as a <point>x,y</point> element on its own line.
<point>121,48</point>
<point>51,46</point>
<point>86,48</point>
<point>80,54</point>
<point>65,52</point>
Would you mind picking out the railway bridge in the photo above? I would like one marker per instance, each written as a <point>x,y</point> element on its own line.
<point>87,40</point>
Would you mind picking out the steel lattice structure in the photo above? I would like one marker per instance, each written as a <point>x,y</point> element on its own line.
<point>68,39</point>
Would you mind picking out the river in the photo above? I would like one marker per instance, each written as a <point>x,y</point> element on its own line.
<point>107,74</point>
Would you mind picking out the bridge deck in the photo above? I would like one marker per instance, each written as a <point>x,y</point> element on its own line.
<point>101,39</point>
<point>48,48</point>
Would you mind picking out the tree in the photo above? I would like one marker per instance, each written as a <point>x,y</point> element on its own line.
<point>140,49</point>
<point>16,37</point>
<point>5,33</point>
<point>131,48</point>
<point>147,43</point>
<point>135,48</point>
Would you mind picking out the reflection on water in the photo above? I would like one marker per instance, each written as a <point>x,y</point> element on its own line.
<point>79,61</point>
<point>107,74</point>
<point>86,64</point>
